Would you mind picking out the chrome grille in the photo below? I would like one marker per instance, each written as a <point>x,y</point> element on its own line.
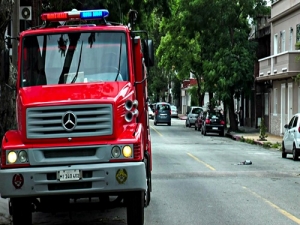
<point>47,122</point>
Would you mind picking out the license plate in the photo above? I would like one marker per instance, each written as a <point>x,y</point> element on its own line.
<point>69,175</point>
<point>215,128</point>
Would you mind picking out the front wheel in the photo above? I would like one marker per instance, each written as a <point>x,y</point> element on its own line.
<point>283,154</point>
<point>21,211</point>
<point>135,208</point>
<point>295,153</point>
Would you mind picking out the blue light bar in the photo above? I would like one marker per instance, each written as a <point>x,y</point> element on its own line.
<point>94,14</point>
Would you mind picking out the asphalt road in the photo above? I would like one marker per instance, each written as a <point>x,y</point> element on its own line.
<point>198,180</point>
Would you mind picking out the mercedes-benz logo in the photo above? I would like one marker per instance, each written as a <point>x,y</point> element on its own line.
<point>69,121</point>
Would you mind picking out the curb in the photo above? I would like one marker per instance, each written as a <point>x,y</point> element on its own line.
<point>238,138</point>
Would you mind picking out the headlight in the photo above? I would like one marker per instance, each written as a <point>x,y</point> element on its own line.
<point>23,157</point>
<point>127,151</point>
<point>12,157</point>
<point>116,152</point>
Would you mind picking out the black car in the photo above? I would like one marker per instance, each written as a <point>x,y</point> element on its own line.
<point>213,122</point>
<point>162,113</point>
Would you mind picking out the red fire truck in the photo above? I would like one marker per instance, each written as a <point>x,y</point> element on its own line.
<point>83,127</point>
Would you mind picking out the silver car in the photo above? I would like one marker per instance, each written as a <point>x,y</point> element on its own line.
<point>192,115</point>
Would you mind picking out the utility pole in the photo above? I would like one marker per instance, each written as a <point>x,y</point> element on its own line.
<point>15,31</point>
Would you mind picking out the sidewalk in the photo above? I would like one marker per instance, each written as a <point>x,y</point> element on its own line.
<point>251,135</point>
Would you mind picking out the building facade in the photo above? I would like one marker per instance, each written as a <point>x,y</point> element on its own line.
<point>279,70</point>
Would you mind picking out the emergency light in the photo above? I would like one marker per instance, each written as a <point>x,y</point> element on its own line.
<point>75,15</point>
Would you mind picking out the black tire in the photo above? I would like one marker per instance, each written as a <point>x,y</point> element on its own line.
<point>295,153</point>
<point>204,132</point>
<point>135,208</point>
<point>222,134</point>
<point>21,211</point>
<point>195,127</point>
<point>155,123</point>
<point>283,154</point>
<point>169,124</point>
<point>190,124</point>
<point>186,125</point>
<point>149,183</point>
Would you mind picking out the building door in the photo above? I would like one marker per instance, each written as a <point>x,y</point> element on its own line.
<point>282,110</point>
<point>290,101</point>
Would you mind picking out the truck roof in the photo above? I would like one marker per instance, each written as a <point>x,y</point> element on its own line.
<point>72,28</point>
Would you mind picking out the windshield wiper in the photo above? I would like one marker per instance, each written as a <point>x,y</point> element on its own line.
<point>119,60</point>
<point>79,61</point>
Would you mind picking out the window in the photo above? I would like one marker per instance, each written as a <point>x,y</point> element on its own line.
<point>298,33</point>
<point>275,44</point>
<point>51,59</point>
<point>282,41</point>
<point>291,122</point>
<point>291,39</point>
<point>275,101</point>
<point>295,121</point>
<point>266,104</point>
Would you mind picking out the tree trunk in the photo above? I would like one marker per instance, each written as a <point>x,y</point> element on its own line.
<point>7,96</point>
<point>232,115</point>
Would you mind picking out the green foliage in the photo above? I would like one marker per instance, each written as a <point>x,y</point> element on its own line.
<point>272,145</point>
<point>267,145</point>
<point>213,46</point>
<point>262,133</point>
<point>249,141</point>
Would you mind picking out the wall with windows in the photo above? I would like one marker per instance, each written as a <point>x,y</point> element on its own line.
<point>285,33</point>
<point>285,102</point>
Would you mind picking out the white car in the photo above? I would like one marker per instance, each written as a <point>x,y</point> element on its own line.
<point>150,113</point>
<point>291,138</point>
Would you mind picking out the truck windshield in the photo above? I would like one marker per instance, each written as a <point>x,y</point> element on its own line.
<point>56,58</point>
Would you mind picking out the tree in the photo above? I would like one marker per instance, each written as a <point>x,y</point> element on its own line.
<point>7,97</point>
<point>211,39</point>
<point>179,49</point>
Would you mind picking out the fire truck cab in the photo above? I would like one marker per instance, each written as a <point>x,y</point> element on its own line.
<point>82,118</point>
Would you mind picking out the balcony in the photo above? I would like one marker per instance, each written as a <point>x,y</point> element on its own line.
<point>280,66</point>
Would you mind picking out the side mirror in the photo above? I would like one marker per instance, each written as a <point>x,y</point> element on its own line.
<point>148,50</point>
<point>286,126</point>
<point>5,64</point>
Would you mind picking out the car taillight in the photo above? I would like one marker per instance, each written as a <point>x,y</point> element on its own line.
<point>222,122</point>
<point>156,112</point>
<point>207,121</point>
<point>299,129</point>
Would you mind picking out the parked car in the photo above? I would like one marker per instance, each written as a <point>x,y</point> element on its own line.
<point>150,113</point>
<point>199,121</point>
<point>174,112</point>
<point>162,113</point>
<point>213,122</point>
<point>291,138</point>
<point>192,115</point>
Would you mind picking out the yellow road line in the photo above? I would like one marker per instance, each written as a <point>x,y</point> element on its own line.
<point>156,131</point>
<point>205,164</point>
<point>283,212</point>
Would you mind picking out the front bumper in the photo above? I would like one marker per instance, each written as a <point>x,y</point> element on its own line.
<point>96,178</point>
